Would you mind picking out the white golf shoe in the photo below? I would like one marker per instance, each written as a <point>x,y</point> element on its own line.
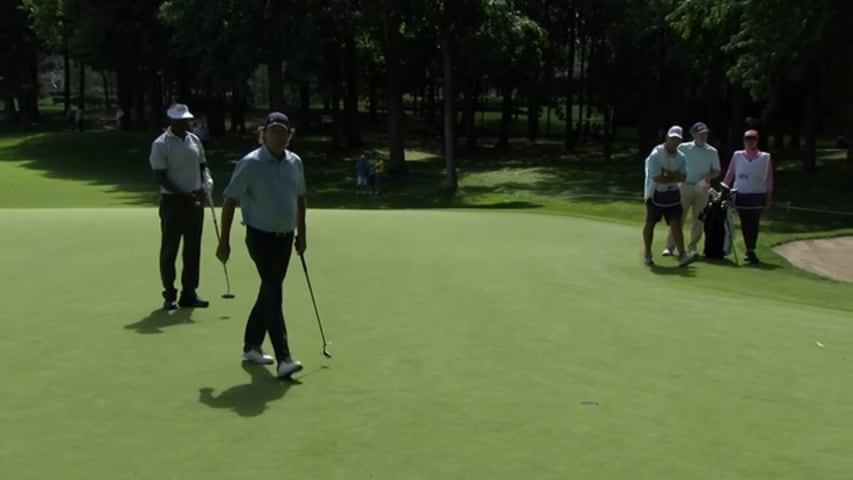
<point>288,368</point>
<point>256,355</point>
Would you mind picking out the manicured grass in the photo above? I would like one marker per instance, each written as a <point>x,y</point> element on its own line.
<point>465,345</point>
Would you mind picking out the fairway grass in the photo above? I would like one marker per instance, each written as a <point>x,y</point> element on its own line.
<point>465,346</point>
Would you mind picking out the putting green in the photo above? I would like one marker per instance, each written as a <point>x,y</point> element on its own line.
<point>465,345</point>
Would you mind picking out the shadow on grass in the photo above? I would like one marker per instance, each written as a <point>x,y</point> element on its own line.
<point>720,262</point>
<point>249,399</point>
<point>675,270</point>
<point>113,159</point>
<point>523,176</point>
<point>763,265</point>
<point>160,319</point>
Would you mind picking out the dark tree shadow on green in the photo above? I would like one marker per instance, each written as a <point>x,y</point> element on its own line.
<point>249,399</point>
<point>118,161</point>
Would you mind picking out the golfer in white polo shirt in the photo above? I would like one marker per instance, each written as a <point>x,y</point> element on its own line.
<point>703,166</point>
<point>180,169</point>
<point>666,167</point>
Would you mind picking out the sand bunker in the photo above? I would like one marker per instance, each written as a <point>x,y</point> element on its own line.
<point>828,257</point>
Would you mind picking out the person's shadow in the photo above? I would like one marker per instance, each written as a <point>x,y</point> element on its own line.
<point>249,399</point>
<point>159,319</point>
<point>681,271</point>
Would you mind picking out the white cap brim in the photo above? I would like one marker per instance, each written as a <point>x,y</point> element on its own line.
<point>178,116</point>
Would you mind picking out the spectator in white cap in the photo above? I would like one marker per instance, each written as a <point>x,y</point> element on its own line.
<point>666,166</point>
<point>180,169</point>
<point>703,166</point>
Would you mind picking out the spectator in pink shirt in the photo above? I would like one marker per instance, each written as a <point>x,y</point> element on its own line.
<point>751,174</point>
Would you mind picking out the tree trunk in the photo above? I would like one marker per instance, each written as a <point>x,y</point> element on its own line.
<point>12,115</point>
<point>470,114</point>
<point>305,105</point>
<point>155,100</point>
<point>450,184</point>
<point>374,101</point>
<point>333,63</point>
<point>734,138</point>
<point>506,114</point>
<point>546,92</point>
<point>238,108</point>
<point>28,95</point>
<point>351,103</point>
<point>582,84</point>
<point>394,90</point>
<point>276,83</point>
<point>139,97</point>
<point>533,116</point>
<point>797,115</point>
<point>429,103</point>
<point>646,101</point>
<point>608,133</point>
<point>106,85</point>
<point>184,90</point>
<point>570,78</point>
<point>66,65</point>
<point>124,95</point>
<point>82,73</point>
<point>811,120</point>
<point>216,113</point>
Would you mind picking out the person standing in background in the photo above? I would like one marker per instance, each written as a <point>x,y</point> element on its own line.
<point>751,170</point>
<point>703,166</point>
<point>665,169</point>
<point>180,169</point>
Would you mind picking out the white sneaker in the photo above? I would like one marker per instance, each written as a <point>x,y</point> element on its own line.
<point>288,368</point>
<point>258,356</point>
<point>686,258</point>
<point>667,252</point>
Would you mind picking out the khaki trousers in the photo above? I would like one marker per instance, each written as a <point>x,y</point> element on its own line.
<point>693,198</point>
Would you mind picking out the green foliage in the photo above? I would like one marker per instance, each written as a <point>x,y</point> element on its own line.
<point>222,41</point>
<point>49,20</point>
<point>766,39</point>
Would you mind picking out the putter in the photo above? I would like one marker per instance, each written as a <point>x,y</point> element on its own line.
<point>228,293</point>
<point>316,312</point>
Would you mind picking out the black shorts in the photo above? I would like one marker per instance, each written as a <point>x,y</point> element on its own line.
<point>654,213</point>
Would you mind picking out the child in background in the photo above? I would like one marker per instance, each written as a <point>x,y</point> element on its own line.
<point>362,169</point>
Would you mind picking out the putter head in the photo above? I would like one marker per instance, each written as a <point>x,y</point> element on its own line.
<point>227,295</point>
<point>326,353</point>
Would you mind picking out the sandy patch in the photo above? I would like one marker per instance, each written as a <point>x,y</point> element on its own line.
<point>828,257</point>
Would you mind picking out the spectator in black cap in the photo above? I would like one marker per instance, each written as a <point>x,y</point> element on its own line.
<point>703,166</point>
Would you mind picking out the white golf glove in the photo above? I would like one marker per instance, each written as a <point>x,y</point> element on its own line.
<point>208,183</point>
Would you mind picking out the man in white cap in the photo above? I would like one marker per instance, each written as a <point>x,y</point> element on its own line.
<point>180,169</point>
<point>666,167</point>
<point>703,166</point>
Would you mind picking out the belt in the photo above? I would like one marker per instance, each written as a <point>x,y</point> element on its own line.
<point>271,234</point>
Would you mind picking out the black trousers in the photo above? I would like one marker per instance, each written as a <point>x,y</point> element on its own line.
<point>180,218</point>
<point>271,254</point>
<point>750,218</point>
